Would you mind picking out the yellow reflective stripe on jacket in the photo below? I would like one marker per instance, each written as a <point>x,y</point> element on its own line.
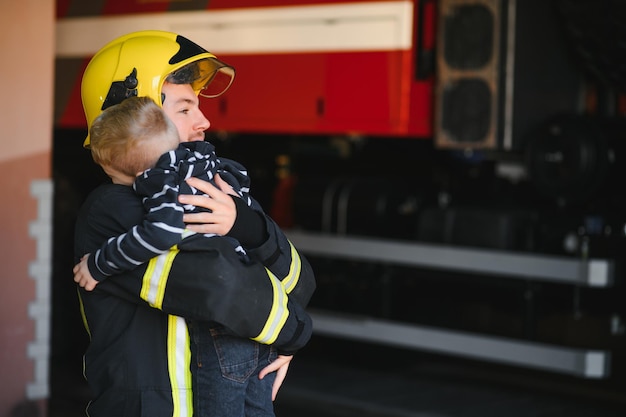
<point>278,314</point>
<point>83,315</point>
<point>291,280</point>
<point>178,363</point>
<point>155,278</point>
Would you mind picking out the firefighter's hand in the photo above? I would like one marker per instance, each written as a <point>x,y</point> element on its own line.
<point>223,211</point>
<point>280,365</point>
<point>82,276</point>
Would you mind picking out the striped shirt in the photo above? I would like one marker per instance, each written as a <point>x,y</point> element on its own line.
<point>163,226</point>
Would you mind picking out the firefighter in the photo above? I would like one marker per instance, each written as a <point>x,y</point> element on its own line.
<point>138,361</point>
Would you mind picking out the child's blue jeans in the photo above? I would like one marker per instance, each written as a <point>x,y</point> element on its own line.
<point>225,371</point>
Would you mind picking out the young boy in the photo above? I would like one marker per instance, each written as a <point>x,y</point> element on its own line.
<point>136,144</point>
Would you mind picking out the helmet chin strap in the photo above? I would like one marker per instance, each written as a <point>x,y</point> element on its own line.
<point>121,90</point>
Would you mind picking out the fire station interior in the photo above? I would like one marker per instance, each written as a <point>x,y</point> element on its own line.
<point>472,270</point>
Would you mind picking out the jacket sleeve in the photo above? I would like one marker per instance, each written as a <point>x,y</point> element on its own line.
<point>281,257</point>
<point>207,282</point>
<point>205,279</point>
<point>276,252</point>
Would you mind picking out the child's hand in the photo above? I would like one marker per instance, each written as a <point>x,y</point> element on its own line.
<point>82,276</point>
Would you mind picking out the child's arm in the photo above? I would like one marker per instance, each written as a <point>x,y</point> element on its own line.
<point>161,228</point>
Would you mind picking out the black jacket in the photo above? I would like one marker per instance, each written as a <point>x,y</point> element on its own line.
<point>137,363</point>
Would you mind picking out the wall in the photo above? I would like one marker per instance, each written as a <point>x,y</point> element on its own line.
<point>27,45</point>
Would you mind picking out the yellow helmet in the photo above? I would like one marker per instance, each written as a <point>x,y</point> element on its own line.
<point>138,63</point>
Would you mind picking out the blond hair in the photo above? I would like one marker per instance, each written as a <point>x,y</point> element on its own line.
<point>131,136</point>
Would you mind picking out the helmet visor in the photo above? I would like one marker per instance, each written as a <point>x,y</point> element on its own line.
<point>215,78</point>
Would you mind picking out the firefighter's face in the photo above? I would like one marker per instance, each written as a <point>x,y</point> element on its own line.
<point>183,108</point>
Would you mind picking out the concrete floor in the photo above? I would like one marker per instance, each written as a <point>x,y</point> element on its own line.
<point>338,379</point>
